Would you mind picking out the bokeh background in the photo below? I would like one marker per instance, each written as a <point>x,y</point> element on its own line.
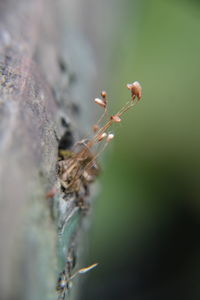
<point>145,231</point>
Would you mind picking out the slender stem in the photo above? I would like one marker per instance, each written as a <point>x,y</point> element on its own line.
<point>127,103</point>
<point>95,157</point>
<point>127,108</point>
<point>102,116</point>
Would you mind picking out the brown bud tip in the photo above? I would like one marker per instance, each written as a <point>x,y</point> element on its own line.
<point>116,118</point>
<point>102,136</point>
<point>100,102</point>
<point>95,127</point>
<point>136,89</point>
<point>103,94</point>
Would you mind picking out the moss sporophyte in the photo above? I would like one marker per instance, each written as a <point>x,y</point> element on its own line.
<point>78,168</point>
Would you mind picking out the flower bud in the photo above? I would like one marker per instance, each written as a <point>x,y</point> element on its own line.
<point>103,94</point>
<point>102,136</point>
<point>110,137</point>
<point>116,118</point>
<point>136,89</point>
<point>100,102</point>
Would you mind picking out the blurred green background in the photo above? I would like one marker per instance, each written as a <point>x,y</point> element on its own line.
<point>145,231</point>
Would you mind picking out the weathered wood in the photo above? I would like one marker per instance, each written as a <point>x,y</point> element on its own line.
<point>35,109</point>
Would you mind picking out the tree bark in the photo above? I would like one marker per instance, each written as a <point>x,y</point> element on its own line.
<point>38,85</point>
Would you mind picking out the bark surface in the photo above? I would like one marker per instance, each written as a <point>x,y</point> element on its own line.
<point>39,80</point>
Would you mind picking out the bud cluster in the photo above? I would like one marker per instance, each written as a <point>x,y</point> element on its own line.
<point>81,168</point>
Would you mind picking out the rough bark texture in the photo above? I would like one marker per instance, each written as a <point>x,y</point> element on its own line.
<point>38,83</point>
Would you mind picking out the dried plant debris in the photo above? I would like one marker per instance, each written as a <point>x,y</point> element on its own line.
<point>78,168</point>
